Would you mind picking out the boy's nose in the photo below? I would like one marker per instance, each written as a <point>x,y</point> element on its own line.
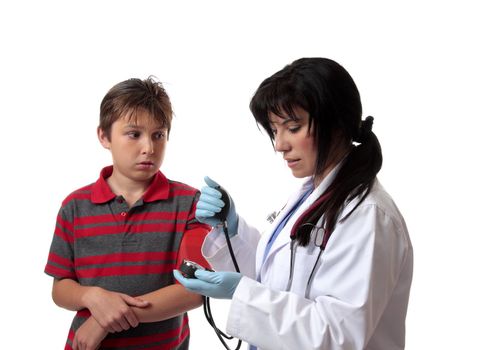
<point>148,147</point>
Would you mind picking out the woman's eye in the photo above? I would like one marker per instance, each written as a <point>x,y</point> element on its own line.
<point>294,129</point>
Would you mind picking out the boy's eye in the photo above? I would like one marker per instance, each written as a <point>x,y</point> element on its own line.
<point>133,134</point>
<point>159,135</point>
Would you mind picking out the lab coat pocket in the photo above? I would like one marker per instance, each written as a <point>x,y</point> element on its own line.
<point>305,263</point>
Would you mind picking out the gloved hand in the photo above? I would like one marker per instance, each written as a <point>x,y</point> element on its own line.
<point>220,284</point>
<point>210,203</point>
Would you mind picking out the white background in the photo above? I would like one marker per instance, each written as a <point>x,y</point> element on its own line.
<point>415,64</point>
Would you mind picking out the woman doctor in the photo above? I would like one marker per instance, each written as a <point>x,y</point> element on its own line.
<point>335,269</point>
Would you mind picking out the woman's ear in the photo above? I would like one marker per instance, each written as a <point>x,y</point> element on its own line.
<point>103,137</point>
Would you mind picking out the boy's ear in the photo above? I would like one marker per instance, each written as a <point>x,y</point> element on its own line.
<point>103,138</point>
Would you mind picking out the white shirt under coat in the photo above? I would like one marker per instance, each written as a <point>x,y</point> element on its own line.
<point>359,294</point>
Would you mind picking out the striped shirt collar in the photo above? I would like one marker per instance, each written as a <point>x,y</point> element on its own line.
<point>102,193</point>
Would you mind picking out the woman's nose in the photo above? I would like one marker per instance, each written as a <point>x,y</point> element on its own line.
<point>280,143</point>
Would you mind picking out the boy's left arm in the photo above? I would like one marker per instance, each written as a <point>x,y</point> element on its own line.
<point>173,300</point>
<point>167,302</point>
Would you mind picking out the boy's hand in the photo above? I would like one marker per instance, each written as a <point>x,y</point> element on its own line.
<point>89,336</point>
<point>112,310</point>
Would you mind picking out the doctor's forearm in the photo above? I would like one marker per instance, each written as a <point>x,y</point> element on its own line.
<point>166,303</point>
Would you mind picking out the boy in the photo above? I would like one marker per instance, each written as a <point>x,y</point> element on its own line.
<point>118,240</point>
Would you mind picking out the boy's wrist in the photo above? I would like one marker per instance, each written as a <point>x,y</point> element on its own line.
<point>88,295</point>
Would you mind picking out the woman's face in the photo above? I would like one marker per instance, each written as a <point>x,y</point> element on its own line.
<point>293,140</point>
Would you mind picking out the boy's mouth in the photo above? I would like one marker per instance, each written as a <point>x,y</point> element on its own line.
<point>145,165</point>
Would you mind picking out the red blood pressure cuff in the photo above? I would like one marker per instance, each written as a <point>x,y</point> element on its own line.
<point>190,247</point>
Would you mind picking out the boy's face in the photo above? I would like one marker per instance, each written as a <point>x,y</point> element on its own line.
<point>137,146</point>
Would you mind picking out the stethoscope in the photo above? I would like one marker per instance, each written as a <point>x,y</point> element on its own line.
<point>319,235</point>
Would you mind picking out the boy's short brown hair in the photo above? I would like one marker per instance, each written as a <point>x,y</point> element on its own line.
<point>129,96</point>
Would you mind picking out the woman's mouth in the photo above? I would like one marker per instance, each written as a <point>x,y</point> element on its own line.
<point>292,162</point>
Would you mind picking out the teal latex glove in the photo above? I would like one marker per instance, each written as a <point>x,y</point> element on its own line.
<point>210,203</point>
<point>219,284</point>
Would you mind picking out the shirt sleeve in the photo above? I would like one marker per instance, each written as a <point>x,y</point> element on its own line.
<point>60,258</point>
<point>192,222</point>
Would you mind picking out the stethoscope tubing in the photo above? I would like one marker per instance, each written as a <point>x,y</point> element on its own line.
<point>292,260</point>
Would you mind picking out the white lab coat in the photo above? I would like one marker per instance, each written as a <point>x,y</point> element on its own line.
<point>360,291</point>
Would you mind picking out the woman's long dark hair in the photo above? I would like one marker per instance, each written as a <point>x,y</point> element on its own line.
<point>327,92</point>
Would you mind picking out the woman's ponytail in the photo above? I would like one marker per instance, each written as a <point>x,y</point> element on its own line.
<point>354,179</point>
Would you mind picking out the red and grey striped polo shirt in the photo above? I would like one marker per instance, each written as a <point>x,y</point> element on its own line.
<point>100,241</point>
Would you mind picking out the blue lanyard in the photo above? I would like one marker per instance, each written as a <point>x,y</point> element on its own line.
<point>284,221</point>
